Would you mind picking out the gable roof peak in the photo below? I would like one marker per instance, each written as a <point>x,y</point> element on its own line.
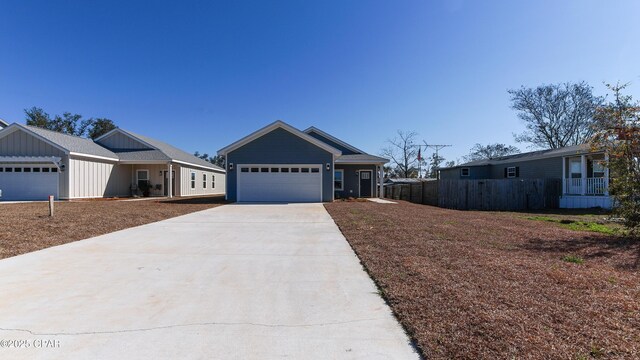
<point>334,139</point>
<point>278,124</point>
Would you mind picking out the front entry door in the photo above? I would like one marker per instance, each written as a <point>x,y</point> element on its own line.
<point>366,183</point>
<point>166,183</point>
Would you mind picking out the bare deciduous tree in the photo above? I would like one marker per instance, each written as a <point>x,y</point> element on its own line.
<point>403,151</point>
<point>490,151</point>
<point>556,115</point>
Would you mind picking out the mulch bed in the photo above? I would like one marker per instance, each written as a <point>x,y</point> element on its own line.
<point>495,285</point>
<point>27,227</point>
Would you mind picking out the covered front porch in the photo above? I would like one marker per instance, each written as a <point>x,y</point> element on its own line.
<point>156,176</point>
<point>585,181</point>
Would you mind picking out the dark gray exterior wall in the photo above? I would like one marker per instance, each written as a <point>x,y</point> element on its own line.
<point>548,168</point>
<point>352,179</point>
<point>280,147</point>
<point>475,172</point>
<point>344,150</point>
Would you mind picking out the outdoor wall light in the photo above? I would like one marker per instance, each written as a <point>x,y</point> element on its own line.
<point>328,166</point>
<point>230,166</point>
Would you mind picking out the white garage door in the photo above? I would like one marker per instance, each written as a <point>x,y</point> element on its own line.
<point>28,182</point>
<point>279,183</point>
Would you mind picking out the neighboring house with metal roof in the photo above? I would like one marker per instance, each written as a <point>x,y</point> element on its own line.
<point>282,163</point>
<point>36,163</point>
<point>585,179</point>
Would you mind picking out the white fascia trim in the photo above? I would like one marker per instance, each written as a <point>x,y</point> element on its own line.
<point>15,127</point>
<point>93,156</point>
<point>143,162</point>
<point>275,125</point>
<point>360,162</point>
<point>333,138</point>
<point>198,166</point>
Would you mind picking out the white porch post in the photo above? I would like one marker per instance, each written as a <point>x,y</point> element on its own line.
<point>170,181</point>
<point>564,175</point>
<point>606,174</point>
<point>381,185</point>
<point>583,173</point>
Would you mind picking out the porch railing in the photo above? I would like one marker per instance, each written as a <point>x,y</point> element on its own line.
<point>593,186</point>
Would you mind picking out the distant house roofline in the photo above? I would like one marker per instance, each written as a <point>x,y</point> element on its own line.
<point>528,156</point>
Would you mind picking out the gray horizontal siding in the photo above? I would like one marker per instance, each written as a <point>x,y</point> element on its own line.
<point>550,168</point>
<point>475,172</point>
<point>279,147</point>
<point>352,179</point>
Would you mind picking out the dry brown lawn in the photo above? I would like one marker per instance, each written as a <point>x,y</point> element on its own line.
<point>498,285</point>
<point>27,227</point>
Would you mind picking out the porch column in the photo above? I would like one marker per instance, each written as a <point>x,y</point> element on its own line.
<point>381,184</point>
<point>170,181</point>
<point>564,175</point>
<point>606,174</point>
<point>583,173</point>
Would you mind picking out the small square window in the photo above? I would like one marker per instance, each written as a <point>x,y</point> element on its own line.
<point>464,172</point>
<point>45,169</point>
<point>285,170</point>
<point>275,169</point>
<point>8,169</point>
<point>255,169</point>
<point>305,170</point>
<point>36,169</point>
<point>511,172</point>
<point>295,170</point>
<point>27,169</point>
<point>55,169</point>
<point>244,169</point>
<point>264,169</point>
<point>315,170</point>
<point>1,169</point>
<point>17,170</point>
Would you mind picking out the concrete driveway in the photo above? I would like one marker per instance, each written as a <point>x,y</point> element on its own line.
<point>233,282</point>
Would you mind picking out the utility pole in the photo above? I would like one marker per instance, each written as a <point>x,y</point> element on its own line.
<point>436,148</point>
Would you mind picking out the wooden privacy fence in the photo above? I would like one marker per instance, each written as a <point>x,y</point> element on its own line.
<point>492,194</point>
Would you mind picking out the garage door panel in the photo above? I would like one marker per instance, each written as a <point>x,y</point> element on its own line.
<point>17,186</point>
<point>278,186</point>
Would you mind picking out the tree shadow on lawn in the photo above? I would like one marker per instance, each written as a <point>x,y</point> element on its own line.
<point>625,250</point>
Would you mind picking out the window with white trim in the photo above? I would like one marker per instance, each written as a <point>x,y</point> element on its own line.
<point>142,177</point>
<point>511,172</point>
<point>598,169</point>
<point>193,180</point>
<point>465,172</point>
<point>204,180</point>
<point>213,181</point>
<point>338,180</point>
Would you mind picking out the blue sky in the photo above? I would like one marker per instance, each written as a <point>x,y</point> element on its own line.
<point>202,74</point>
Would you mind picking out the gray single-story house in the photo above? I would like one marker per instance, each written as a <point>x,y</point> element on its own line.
<point>585,178</point>
<point>36,163</point>
<point>280,163</point>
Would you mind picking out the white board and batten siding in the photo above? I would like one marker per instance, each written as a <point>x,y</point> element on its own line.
<point>185,182</point>
<point>90,179</point>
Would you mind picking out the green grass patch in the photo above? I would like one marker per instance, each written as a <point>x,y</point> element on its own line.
<point>573,259</point>
<point>578,225</point>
